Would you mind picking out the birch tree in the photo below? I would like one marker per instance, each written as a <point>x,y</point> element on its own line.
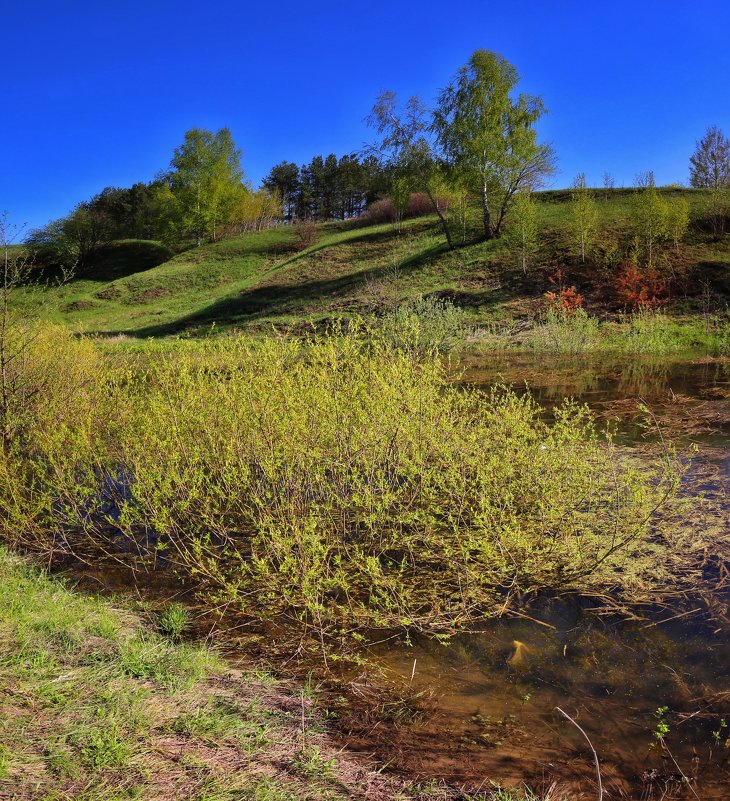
<point>709,165</point>
<point>677,219</point>
<point>650,216</point>
<point>523,229</point>
<point>488,137</point>
<point>406,148</point>
<point>207,180</point>
<point>584,216</point>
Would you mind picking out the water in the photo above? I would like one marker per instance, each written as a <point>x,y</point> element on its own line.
<point>484,708</point>
<point>491,698</point>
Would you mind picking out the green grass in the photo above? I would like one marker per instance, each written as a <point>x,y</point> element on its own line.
<point>96,707</point>
<point>260,279</point>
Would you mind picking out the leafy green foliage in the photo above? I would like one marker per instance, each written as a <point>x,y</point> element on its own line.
<point>577,332</point>
<point>584,216</point>
<point>344,483</point>
<point>103,747</point>
<point>206,181</point>
<point>523,232</point>
<point>488,136</point>
<point>340,522</point>
<point>662,726</point>
<point>424,325</point>
<point>651,221</point>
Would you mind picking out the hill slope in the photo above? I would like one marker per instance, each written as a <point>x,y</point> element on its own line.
<point>259,279</point>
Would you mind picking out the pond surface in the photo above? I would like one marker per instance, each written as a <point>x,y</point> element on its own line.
<point>488,701</point>
<point>484,708</point>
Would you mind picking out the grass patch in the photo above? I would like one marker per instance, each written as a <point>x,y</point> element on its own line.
<point>76,725</point>
<point>642,333</point>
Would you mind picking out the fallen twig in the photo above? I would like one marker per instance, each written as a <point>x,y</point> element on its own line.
<point>595,755</point>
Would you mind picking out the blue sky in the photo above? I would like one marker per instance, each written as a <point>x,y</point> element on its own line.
<point>99,94</point>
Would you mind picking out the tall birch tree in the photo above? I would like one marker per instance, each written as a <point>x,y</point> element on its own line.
<point>206,179</point>
<point>488,136</point>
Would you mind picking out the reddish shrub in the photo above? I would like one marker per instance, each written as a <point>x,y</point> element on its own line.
<point>383,211</point>
<point>305,232</point>
<point>565,298</point>
<point>638,289</point>
<point>419,205</point>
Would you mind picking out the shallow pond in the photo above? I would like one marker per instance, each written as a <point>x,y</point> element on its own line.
<point>484,708</point>
<point>488,701</point>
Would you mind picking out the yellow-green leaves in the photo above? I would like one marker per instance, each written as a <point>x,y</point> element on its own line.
<point>345,483</point>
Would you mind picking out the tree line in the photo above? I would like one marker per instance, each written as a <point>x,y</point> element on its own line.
<point>201,197</point>
<point>474,156</point>
<point>328,187</point>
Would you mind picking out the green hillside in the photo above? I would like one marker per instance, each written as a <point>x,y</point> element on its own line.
<point>258,279</point>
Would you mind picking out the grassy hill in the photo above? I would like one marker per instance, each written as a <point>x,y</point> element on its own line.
<point>259,279</point>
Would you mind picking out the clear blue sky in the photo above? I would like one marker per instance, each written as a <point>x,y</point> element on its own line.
<point>99,94</point>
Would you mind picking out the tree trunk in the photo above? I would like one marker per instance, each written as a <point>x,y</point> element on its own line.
<point>486,215</point>
<point>442,219</point>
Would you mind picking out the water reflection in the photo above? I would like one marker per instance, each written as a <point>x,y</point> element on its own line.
<point>495,694</point>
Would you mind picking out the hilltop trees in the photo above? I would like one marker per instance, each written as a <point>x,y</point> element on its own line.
<point>407,150</point>
<point>327,188</point>
<point>201,193</point>
<point>207,180</point>
<point>284,179</point>
<point>201,197</point>
<point>487,136</point>
<point>710,169</point>
<point>479,141</point>
<point>72,240</point>
<point>710,162</point>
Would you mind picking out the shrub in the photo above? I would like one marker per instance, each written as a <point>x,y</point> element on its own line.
<point>384,211</point>
<point>344,484</point>
<point>640,289</point>
<point>52,412</point>
<point>305,232</point>
<point>350,487</point>
<point>379,212</point>
<point>566,331</point>
<point>424,324</point>
<point>565,301</point>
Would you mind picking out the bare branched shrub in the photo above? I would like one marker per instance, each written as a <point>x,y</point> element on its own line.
<point>305,233</point>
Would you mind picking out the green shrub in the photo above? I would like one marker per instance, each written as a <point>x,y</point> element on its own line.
<point>561,332</point>
<point>345,484</point>
<point>351,486</point>
<point>423,325</point>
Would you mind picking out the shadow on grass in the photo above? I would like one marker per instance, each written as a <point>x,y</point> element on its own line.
<point>278,299</point>
<point>123,258</point>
